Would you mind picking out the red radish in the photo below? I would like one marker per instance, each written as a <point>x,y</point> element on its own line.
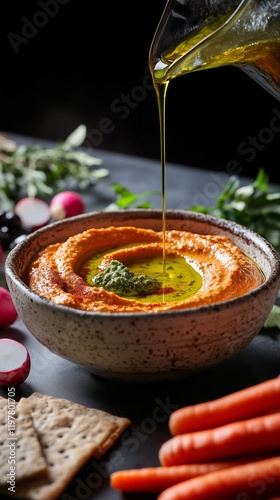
<point>15,362</point>
<point>33,212</point>
<point>66,204</point>
<point>8,313</point>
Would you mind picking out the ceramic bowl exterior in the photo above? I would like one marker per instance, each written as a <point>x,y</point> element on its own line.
<point>145,346</point>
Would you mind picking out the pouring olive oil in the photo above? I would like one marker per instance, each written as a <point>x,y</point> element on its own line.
<point>193,35</point>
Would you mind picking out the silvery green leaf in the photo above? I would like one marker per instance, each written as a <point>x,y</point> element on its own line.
<point>5,202</point>
<point>21,149</point>
<point>76,138</point>
<point>44,188</point>
<point>31,190</point>
<point>112,207</point>
<point>238,205</point>
<point>99,173</point>
<point>83,158</point>
<point>37,175</point>
<point>244,192</point>
<point>273,197</point>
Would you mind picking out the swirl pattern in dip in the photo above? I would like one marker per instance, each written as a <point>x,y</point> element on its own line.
<point>220,269</point>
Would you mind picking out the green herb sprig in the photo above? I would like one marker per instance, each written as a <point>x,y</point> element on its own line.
<point>254,206</point>
<point>39,171</point>
<point>126,199</point>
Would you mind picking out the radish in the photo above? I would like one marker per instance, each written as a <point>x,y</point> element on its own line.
<point>8,313</point>
<point>15,362</point>
<point>33,212</point>
<point>66,204</point>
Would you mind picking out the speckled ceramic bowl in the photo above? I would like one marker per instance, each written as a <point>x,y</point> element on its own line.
<point>145,346</point>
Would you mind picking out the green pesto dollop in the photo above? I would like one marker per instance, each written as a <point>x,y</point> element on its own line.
<point>117,278</point>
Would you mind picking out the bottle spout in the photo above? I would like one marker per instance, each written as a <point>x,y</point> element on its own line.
<point>180,18</point>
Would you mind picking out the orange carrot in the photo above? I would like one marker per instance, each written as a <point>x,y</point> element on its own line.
<point>238,439</point>
<point>253,401</point>
<point>252,480</point>
<point>157,479</point>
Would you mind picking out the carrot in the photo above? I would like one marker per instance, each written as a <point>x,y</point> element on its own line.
<point>156,479</point>
<point>246,437</point>
<point>253,401</point>
<point>252,480</point>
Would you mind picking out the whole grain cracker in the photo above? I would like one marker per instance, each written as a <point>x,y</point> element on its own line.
<point>70,434</point>
<point>75,409</point>
<point>19,444</point>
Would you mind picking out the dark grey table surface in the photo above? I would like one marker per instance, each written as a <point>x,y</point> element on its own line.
<point>148,405</point>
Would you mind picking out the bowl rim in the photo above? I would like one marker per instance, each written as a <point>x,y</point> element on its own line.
<point>224,224</point>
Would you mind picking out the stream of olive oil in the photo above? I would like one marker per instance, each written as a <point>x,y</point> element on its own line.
<point>160,90</point>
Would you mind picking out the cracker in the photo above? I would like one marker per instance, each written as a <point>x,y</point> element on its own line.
<point>19,444</point>
<point>70,434</point>
<point>75,409</point>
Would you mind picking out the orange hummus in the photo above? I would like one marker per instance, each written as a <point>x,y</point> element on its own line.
<point>224,269</point>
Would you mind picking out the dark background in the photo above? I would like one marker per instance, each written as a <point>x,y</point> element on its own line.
<point>88,63</point>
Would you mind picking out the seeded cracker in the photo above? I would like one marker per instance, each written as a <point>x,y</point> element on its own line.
<point>70,434</point>
<point>75,410</point>
<point>19,430</point>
